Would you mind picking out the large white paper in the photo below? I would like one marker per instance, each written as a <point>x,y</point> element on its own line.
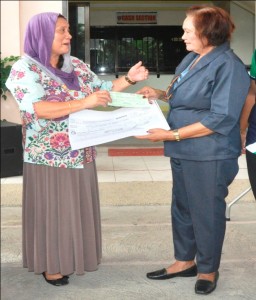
<point>91,127</point>
<point>251,148</point>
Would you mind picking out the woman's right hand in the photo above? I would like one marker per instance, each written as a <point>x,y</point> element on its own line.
<point>99,98</point>
<point>53,110</point>
<point>151,93</point>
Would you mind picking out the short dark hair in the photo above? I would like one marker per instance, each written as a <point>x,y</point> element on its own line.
<point>212,23</point>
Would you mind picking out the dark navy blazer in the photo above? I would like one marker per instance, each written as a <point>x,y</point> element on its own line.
<point>213,92</point>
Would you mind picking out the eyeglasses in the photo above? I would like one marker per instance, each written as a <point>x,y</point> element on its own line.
<point>169,96</point>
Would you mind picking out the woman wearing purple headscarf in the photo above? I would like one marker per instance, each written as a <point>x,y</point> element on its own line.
<point>61,212</point>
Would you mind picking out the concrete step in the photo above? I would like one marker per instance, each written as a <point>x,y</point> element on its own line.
<point>129,193</point>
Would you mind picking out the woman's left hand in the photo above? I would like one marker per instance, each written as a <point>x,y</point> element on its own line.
<point>155,135</point>
<point>138,72</point>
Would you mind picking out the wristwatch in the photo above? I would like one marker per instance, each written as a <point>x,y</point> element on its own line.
<point>176,134</point>
<point>129,80</point>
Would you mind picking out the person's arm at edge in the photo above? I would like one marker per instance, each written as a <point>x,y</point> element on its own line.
<point>249,103</point>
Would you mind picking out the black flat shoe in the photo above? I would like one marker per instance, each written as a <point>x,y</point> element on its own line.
<point>57,282</point>
<point>162,274</point>
<point>205,287</point>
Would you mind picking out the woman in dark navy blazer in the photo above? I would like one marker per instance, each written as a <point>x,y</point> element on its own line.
<point>206,97</point>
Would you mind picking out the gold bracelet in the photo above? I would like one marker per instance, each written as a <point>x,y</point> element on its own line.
<point>176,134</point>
<point>129,80</point>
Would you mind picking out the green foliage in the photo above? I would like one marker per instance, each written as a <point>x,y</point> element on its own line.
<point>6,65</point>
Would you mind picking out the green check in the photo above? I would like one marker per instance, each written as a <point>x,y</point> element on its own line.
<point>128,100</point>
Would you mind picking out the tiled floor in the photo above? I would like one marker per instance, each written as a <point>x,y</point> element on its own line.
<point>134,168</point>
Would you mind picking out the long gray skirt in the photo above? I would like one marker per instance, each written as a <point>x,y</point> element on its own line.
<point>61,219</point>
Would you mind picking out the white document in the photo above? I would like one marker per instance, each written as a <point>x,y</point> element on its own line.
<point>91,127</point>
<point>251,148</point>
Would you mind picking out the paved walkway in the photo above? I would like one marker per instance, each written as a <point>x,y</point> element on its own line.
<point>136,239</point>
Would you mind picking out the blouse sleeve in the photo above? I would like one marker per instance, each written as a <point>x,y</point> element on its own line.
<point>102,84</point>
<point>87,76</point>
<point>231,84</point>
<point>25,85</point>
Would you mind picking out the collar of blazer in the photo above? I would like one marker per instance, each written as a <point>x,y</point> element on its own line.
<point>205,60</point>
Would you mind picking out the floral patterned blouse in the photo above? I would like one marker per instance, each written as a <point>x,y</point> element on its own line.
<point>46,142</point>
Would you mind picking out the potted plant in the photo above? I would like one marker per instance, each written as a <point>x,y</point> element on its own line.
<point>11,133</point>
<point>6,65</point>
<point>9,108</point>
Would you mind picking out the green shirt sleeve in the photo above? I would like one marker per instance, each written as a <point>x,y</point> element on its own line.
<point>253,66</point>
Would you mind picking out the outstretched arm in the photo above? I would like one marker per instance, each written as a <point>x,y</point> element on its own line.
<point>187,132</point>
<point>135,74</point>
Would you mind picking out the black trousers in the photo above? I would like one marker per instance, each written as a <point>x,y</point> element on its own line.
<point>198,209</point>
<point>251,167</point>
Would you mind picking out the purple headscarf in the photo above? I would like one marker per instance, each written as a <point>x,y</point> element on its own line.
<point>39,37</point>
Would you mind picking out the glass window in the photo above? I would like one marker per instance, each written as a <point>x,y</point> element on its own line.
<point>114,49</point>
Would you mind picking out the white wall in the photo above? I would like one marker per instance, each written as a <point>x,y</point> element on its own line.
<point>14,18</point>
<point>243,40</point>
<point>10,28</point>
